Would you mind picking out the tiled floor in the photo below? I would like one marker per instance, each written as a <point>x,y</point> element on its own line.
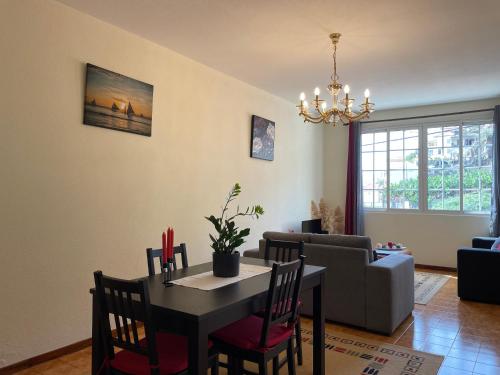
<point>467,333</point>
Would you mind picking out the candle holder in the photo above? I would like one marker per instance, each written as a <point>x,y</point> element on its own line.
<point>167,274</point>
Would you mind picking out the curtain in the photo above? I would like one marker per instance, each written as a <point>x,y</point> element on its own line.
<point>354,195</point>
<point>495,196</point>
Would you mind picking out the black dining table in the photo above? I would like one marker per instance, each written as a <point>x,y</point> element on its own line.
<point>196,313</point>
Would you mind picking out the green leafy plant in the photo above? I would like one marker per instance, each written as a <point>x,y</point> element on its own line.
<point>229,236</point>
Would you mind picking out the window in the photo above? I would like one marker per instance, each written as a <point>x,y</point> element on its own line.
<point>443,168</point>
<point>453,175</point>
<point>403,166</point>
<point>374,169</point>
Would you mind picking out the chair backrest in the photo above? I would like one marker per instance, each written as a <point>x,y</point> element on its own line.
<point>283,296</point>
<point>151,254</point>
<point>285,251</point>
<point>127,303</point>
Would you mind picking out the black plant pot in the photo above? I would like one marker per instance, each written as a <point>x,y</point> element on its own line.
<point>226,265</point>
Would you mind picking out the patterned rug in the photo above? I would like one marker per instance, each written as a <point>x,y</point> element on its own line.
<point>351,355</point>
<point>427,285</point>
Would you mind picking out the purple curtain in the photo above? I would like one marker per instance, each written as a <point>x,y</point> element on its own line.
<point>354,194</point>
<point>495,196</point>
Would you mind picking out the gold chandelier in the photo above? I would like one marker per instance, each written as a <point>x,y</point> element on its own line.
<point>341,109</point>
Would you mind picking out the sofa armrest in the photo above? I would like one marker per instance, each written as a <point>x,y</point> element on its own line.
<point>483,242</point>
<point>478,276</point>
<point>252,253</point>
<point>389,292</point>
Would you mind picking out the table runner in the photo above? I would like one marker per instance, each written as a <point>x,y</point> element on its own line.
<point>207,280</point>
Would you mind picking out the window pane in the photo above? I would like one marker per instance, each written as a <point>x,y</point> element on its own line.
<point>486,178</point>
<point>396,178</point>
<point>451,136</point>
<point>471,200</point>
<point>470,155</point>
<point>451,179</point>
<point>367,178</point>
<point>470,136</point>
<point>451,157</point>
<point>396,160</point>
<point>367,161</point>
<point>486,200</point>
<point>451,200</point>
<point>471,178</point>
<point>434,137</point>
<point>397,199</point>
<point>411,199</point>
<point>381,141</point>
<point>380,179</point>
<point>434,158</point>
<point>368,198</point>
<point>397,140</point>
<point>435,200</point>
<point>411,159</point>
<point>435,180</point>
<point>380,161</point>
<point>379,199</point>
<point>367,142</point>
<point>411,139</point>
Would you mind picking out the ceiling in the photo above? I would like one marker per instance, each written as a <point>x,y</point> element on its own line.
<point>407,52</point>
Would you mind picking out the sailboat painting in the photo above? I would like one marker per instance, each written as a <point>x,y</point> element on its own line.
<point>117,102</point>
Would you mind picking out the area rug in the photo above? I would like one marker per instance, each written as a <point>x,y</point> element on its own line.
<point>427,285</point>
<point>351,355</point>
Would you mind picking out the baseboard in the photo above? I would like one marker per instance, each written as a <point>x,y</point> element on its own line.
<point>30,362</point>
<point>437,268</point>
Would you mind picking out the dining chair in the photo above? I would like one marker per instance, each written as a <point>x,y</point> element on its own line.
<point>151,254</point>
<point>261,339</point>
<point>286,251</point>
<point>127,304</point>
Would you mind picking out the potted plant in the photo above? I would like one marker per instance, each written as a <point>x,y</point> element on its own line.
<point>226,260</point>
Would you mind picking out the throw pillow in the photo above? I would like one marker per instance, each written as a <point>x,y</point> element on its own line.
<point>496,245</point>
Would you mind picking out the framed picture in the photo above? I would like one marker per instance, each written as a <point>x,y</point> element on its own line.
<point>117,102</point>
<point>262,142</point>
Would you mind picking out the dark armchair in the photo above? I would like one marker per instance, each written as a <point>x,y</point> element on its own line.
<point>478,269</point>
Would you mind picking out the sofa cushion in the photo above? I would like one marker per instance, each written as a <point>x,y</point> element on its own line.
<point>283,236</point>
<point>360,242</point>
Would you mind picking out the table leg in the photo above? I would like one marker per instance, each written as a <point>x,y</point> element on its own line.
<point>198,348</point>
<point>97,344</point>
<point>319,327</point>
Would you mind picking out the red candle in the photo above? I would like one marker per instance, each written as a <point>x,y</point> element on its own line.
<point>172,243</point>
<point>164,247</point>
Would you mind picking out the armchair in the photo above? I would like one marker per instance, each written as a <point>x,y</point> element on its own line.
<point>478,270</point>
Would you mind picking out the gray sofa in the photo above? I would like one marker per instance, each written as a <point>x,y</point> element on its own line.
<point>375,295</point>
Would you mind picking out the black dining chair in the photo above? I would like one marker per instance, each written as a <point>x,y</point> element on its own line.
<point>286,251</point>
<point>261,339</point>
<point>151,254</point>
<point>127,304</point>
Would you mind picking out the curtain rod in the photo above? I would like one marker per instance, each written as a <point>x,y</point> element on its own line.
<point>428,116</point>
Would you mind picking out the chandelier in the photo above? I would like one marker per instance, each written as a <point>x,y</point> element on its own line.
<point>341,109</point>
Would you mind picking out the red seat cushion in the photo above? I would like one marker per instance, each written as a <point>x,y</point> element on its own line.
<point>245,334</point>
<point>172,356</point>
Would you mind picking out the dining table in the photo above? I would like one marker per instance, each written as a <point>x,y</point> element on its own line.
<point>196,313</point>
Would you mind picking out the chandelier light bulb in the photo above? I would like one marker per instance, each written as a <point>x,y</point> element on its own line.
<point>302,96</point>
<point>306,104</point>
<point>323,106</point>
<point>347,89</point>
<point>367,93</point>
<point>316,91</point>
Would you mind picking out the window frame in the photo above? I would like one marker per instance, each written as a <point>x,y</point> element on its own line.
<point>423,164</point>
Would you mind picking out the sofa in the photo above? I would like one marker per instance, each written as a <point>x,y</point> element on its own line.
<point>377,295</point>
<point>478,271</point>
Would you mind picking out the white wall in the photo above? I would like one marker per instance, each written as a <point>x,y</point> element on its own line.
<point>76,198</point>
<point>433,238</point>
